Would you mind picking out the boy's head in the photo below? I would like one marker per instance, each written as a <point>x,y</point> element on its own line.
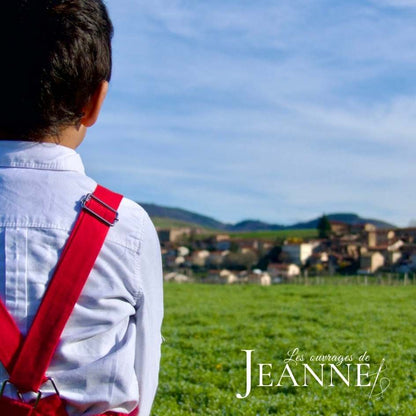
<point>55,54</point>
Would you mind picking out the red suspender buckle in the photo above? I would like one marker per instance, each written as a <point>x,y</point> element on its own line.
<point>90,203</point>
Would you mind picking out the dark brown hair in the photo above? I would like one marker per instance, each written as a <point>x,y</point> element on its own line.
<point>54,55</point>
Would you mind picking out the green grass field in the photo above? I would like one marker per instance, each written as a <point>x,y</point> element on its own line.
<point>206,327</point>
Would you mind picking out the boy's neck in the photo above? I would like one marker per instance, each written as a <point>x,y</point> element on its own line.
<point>70,137</point>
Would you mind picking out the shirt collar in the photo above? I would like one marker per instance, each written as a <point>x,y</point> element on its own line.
<point>33,155</point>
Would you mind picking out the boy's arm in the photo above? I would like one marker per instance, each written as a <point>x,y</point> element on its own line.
<point>149,317</point>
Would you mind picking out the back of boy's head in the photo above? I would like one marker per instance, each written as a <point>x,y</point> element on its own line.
<point>54,56</point>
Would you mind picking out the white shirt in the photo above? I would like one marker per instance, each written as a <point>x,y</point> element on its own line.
<point>108,357</point>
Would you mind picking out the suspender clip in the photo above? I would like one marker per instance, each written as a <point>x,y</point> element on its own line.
<point>20,395</point>
<point>87,198</point>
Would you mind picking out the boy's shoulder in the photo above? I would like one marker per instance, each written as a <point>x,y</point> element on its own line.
<point>134,226</point>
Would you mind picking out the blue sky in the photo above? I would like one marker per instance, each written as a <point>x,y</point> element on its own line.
<point>273,110</point>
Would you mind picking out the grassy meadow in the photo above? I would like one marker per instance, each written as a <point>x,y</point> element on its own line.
<point>207,326</point>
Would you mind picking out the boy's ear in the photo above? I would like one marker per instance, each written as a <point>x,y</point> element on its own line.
<point>93,107</point>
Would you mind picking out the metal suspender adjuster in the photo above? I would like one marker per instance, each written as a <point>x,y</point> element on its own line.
<point>84,201</point>
<point>20,395</point>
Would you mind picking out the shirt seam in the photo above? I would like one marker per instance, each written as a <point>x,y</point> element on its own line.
<point>138,296</point>
<point>132,247</point>
<point>12,224</point>
<point>39,166</point>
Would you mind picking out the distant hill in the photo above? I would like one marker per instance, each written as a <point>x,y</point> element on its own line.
<point>170,223</point>
<point>343,217</point>
<point>179,214</point>
<point>165,216</point>
<point>254,225</point>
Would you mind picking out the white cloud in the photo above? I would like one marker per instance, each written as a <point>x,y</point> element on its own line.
<point>395,3</point>
<point>259,169</point>
<point>253,109</point>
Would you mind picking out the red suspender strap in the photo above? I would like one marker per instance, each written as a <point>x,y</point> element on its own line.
<point>11,338</point>
<point>28,365</point>
<point>135,412</point>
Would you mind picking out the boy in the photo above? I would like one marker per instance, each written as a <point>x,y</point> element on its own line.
<point>56,64</point>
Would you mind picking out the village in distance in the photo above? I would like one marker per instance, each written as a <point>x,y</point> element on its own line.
<point>334,251</point>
